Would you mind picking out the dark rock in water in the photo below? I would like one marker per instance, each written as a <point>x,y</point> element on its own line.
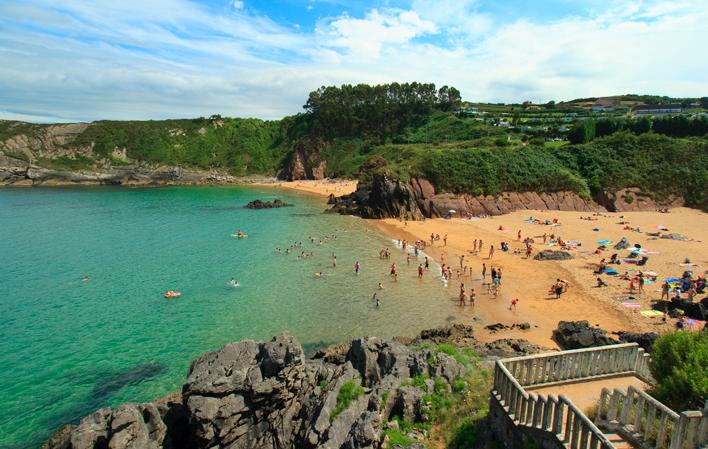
<point>267,395</point>
<point>645,340</point>
<point>549,254</point>
<point>579,334</point>
<point>132,376</point>
<point>622,244</point>
<point>379,197</point>
<point>259,204</point>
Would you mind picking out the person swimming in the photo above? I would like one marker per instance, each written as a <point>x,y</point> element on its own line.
<point>234,283</point>
<point>318,274</point>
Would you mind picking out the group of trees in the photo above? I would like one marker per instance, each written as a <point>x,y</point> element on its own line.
<point>375,112</point>
<point>677,126</point>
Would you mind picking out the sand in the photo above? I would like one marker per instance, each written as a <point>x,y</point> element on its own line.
<point>322,187</point>
<point>529,280</point>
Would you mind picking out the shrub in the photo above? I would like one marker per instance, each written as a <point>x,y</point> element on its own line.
<point>678,363</point>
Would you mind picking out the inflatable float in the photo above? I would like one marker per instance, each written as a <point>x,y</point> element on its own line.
<point>239,236</point>
<point>172,294</point>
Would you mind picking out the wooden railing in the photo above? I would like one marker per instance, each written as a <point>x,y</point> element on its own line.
<point>590,363</point>
<point>642,418</point>
<point>559,416</point>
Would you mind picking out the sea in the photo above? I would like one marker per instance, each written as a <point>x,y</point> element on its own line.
<point>84,322</point>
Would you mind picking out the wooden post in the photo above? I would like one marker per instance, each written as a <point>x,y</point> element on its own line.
<point>651,418</point>
<point>626,408</point>
<point>604,396</point>
<point>677,436</point>
<point>557,427</point>
<point>640,412</point>
<point>661,433</point>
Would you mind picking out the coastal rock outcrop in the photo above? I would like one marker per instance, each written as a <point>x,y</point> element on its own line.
<point>269,395</point>
<point>304,163</point>
<point>379,197</point>
<point>645,340</point>
<point>260,204</point>
<point>579,334</point>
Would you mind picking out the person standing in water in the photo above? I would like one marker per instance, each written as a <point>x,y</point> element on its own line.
<point>462,294</point>
<point>408,259</point>
<point>473,296</point>
<point>420,271</point>
<point>357,267</point>
<point>376,298</point>
<point>334,260</point>
<point>427,263</point>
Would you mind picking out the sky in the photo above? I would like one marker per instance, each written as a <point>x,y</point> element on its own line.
<point>74,60</point>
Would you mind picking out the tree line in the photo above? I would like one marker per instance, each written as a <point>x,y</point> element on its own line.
<point>378,112</point>
<point>678,126</point>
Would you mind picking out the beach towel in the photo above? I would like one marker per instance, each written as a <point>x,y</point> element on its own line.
<point>611,272</point>
<point>651,313</point>
<point>692,322</point>
<point>630,260</point>
<point>631,304</point>
<point>604,242</point>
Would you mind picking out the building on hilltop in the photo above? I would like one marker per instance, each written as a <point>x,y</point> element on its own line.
<point>656,109</point>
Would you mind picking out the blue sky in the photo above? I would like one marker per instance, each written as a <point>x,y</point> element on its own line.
<point>139,59</point>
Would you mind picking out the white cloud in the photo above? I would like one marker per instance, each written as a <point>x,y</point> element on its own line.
<point>174,58</point>
<point>238,4</point>
<point>368,35</point>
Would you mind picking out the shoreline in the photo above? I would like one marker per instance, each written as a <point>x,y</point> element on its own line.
<point>529,280</point>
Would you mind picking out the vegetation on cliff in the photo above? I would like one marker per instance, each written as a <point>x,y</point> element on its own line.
<point>419,130</point>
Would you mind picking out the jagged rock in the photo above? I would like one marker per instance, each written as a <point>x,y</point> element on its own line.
<point>266,395</point>
<point>496,327</point>
<point>579,334</point>
<point>304,163</point>
<point>645,340</point>
<point>622,244</point>
<point>259,204</point>
<point>509,347</point>
<point>454,334</point>
<point>549,254</point>
<point>379,197</point>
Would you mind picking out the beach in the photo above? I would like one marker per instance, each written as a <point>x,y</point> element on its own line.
<point>529,280</point>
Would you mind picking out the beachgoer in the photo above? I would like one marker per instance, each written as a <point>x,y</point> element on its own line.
<point>473,296</point>
<point>381,286</point>
<point>357,267</point>
<point>518,235</point>
<point>86,278</point>
<point>445,240</point>
<point>491,251</point>
<point>408,259</point>
<point>665,290</point>
<point>427,263</point>
<point>514,302</point>
<point>376,298</point>
<point>462,295</point>
<point>484,271</point>
<point>318,274</point>
<point>420,270</point>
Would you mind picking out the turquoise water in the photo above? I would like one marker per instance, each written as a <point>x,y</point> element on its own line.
<point>69,346</point>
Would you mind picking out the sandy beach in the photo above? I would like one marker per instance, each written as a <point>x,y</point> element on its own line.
<point>529,280</point>
<point>322,187</point>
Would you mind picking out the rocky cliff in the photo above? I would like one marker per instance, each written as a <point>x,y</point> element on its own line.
<point>385,197</point>
<point>269,395</point>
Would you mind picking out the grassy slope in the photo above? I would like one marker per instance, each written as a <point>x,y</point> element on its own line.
<point>456,154</point>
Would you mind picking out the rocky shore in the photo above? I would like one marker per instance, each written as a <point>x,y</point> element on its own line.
<point>269,395</point>
<point>385,197</point>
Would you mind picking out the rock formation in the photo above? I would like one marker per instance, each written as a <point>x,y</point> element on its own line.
<point>268,395</point>
<point>579,334</point>
<point>379,197</point>
<point>550,254</point>
<point>303,163</point>
<point>260,204</point>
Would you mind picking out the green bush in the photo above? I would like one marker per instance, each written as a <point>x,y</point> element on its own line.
<point>679,363</point>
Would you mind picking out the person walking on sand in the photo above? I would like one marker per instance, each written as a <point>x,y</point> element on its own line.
<point>420,271</point>
<point>528,251</point>
<point>479,248</point>
<point>357,267</point>
<point>513,304</point>
<point>665,291</point>
<point>445,240</point>
<point>518,235</point>
<point>474,247</point>
<point>491,251</point>
<point>462,261</point>
<point>484,271</point>
<point>499,274</point>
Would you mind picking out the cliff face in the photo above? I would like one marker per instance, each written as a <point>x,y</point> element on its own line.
<point>384,197</point>
<point>303,164</point>
<point>268,395</point>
